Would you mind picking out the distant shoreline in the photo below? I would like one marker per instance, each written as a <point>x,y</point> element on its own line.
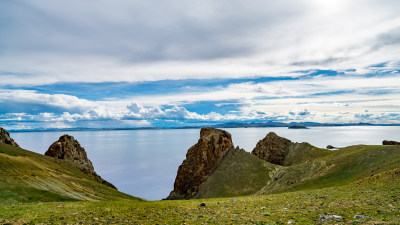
<point>225,125</point>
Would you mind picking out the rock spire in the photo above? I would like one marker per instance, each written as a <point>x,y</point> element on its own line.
<point>200,160</point>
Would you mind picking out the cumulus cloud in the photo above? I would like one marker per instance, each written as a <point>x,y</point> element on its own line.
<point>170,113</point>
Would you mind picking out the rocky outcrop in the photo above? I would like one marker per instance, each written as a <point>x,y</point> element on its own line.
<point>386,142</point>
<point>281,151</point>
<point>200,161</point>
<point>273,148</point>
<point>67,148</point>
<point>5,138</point>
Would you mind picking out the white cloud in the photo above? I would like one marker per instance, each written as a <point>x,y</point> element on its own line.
<point>172,113</point>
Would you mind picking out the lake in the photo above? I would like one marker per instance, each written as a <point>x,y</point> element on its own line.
<point>144,163</point>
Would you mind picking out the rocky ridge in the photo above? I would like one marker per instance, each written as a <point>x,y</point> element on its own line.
<point>5,138</point>
<point>200,161</point>
<point>67,148</point>
<point>386,142</point>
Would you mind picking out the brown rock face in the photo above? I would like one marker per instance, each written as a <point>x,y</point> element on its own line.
<point>67,148</point>
<point>200,160</point>
<point>273,148</point>
<point>386,142</point>
<point>5,138</point>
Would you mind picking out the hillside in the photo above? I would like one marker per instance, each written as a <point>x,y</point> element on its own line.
<point>372,200</point>
<point>29,177</point>
<point>278,165</point>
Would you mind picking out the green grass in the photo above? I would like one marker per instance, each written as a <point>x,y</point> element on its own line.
<point>240,173</point>
<point>351,164</point>
<point>377,197</point>
<point>29,177</point>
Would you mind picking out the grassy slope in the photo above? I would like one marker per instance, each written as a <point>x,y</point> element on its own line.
<point>377,197</point>
<point>28,177</point>
<point>239,169</point>
<point>243,174</point>
<point>351,164</point>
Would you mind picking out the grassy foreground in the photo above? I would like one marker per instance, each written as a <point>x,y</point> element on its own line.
<point>376,200</point>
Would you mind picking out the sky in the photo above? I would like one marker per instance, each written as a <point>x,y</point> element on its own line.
<point>170,63</point>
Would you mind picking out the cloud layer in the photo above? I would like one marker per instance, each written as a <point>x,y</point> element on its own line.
<point>48,42</point>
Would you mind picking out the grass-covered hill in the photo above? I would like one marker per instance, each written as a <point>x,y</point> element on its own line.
<point>29,177</point>
<point>241,173</point>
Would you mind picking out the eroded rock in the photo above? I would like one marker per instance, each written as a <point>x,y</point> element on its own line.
<point>67,148</point>
<point>5,138</point>
<point>273,148</point>
<point>200,160</point>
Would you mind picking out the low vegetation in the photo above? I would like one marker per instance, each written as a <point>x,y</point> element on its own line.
<point>373,200</point>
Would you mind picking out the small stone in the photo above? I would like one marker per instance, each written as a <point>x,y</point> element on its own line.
<point>328,217</point>
<point>290,222</point>
<point>203,204</point>
<point>336,217</point>
<point>360,217</point>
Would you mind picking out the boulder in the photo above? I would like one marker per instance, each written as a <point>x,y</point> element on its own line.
<point>69,149</point>
<point>5,138</point>
<point>200,161</point>
<point>386,142</point>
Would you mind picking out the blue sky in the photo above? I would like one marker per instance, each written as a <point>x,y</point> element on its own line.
<point>109,64</point>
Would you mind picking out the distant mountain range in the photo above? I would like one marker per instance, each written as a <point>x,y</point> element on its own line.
<point>221,125</point>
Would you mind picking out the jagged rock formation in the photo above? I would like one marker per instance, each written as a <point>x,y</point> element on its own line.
<point>272,148</point>
<point>5,138</point>
<point>281,151</point>
<point>386,142</point>
<point>67,148</point>
<point>200,161</point>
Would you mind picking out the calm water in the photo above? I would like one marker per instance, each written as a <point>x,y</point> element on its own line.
<point>144,163</point>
